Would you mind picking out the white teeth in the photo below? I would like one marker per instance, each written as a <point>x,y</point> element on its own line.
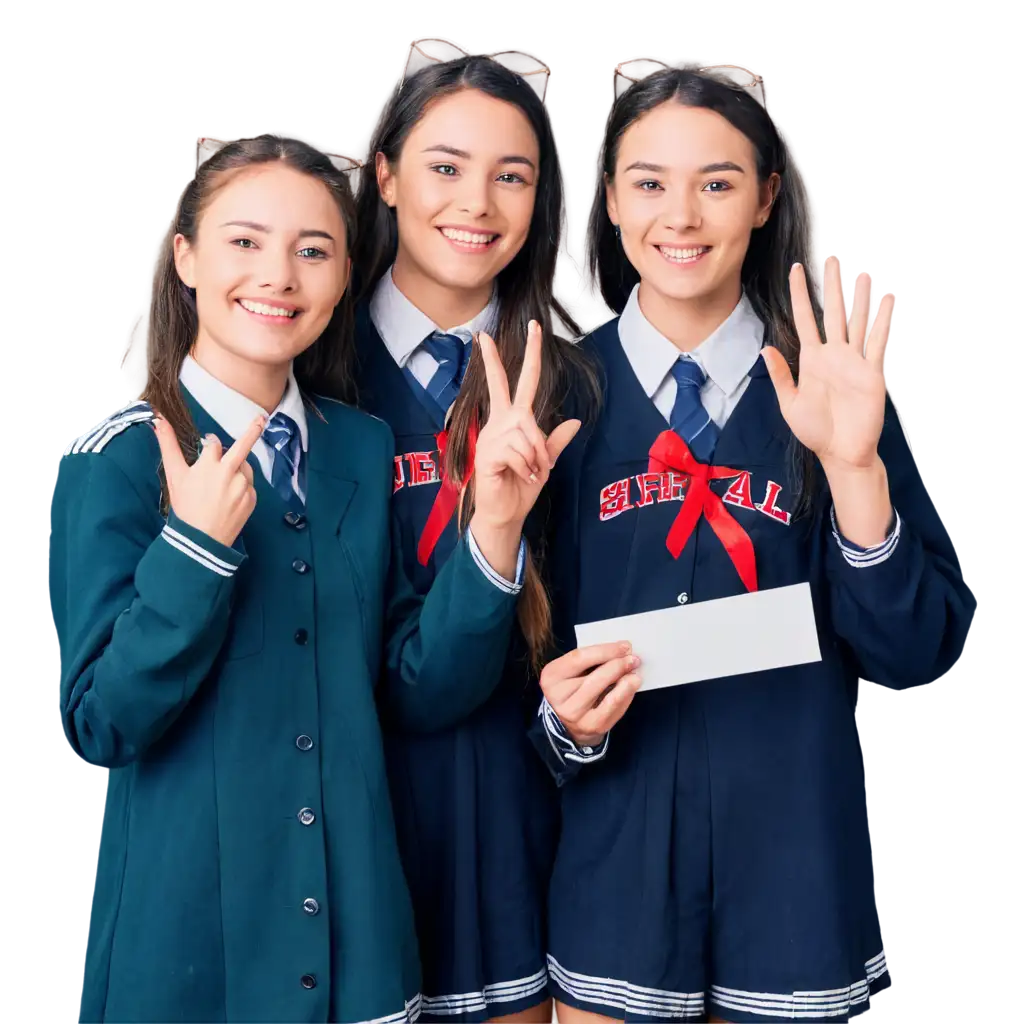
<point>265,310</point>
<point>467,236</point>
<point>682,254</point>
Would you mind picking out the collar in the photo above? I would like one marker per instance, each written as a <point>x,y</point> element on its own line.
<point>403,327</point>
<point>726,355</point>
<point>232,410</point>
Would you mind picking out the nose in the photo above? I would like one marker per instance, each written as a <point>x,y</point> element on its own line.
<point>276,272</point>
<point>474,197</point>
<point>683,210</point>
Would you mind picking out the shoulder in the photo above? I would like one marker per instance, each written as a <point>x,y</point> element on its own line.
<point>98,438</point>
<point>596,343</point>
<point>351,425</point>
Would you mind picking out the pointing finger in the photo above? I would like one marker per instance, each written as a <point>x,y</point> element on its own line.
<point>170,451</point>
<point>803,313</point>
<point>239,451</point>
<point>497,381</point>
<point>529,375</point>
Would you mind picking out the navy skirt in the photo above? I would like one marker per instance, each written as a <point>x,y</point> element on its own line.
<point>709,866</point>
<point>476,814</point>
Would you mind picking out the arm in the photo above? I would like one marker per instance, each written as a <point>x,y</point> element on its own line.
<point>140,612</point>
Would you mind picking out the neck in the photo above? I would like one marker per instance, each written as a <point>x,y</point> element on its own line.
<point>447,307</point>
<point>688,322</point>
<point>261,383</point>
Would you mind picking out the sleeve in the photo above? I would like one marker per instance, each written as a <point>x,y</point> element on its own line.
<point>902,608</point>
<point>139,618</point>
<point>557,749</point>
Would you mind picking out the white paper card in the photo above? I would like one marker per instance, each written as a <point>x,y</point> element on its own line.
<point>710,639</point>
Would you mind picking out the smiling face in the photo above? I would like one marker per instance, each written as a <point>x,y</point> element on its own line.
<point>269,263</point>
<point>686,197</point>
<point>463,190</point>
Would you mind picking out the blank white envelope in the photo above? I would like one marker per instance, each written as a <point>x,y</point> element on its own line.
<point>710,639</point>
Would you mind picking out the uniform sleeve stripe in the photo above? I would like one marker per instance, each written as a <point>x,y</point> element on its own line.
<point>95,439</point>
<point>496,578</point>
<point>563,744</point>
<point>862,558</point>
<point>196,553</point>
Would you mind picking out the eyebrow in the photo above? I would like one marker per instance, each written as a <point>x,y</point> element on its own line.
<point>725,165</point>
<point>253,226</point>
<point>463,155</point>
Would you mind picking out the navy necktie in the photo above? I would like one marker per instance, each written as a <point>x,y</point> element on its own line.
<point>282,436</point>
<point>452,355</point>
<point>689,419</point>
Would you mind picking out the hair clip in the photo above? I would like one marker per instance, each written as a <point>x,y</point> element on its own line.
<point>424,52</point>
<point>631,71</point>
<point>205,148</point>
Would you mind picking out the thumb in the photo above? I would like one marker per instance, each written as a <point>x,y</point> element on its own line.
<point>781,375</point>
<point>560,438</point>
<point>170,451</point>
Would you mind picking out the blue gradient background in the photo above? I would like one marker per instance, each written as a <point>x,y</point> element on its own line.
<point>98,110</point>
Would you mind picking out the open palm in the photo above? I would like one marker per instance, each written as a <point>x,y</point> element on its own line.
<point>838,406</point>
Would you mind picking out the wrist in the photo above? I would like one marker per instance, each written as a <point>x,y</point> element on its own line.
<point>860,497</point>
<point>498,543</point>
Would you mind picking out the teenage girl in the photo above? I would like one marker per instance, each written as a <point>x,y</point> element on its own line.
<point>460,214</point>
<point>222,613</point>
<point>715,859</point>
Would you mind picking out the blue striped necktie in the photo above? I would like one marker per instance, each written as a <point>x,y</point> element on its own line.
<point>689,419</point>
<point>282,436</point>
<point>452,355</point>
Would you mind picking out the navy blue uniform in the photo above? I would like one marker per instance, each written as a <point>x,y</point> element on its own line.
<point>717,858</point>
<point>475,810</point>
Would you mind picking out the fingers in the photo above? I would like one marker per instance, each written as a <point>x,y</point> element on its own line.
<point>529,375</point>
<point>518,442</point>
<point>582,660</point>
<point>210,448</point>
<point>239,451</point>
<point>538,443</point>
<point>560,438</point>
<point>600,720</point>
<point>879,337</point>
<point>497,381</point>
<point>858,326</point>
<point>246,471</point>
<point>803,312</point>
<point>509,458</point>
<point>781,375</point>
<point>589,692</point>
<point>170,450</point>
<point>835,311</point>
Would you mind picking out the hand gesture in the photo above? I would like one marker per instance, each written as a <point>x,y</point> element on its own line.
<point>216,494</point>
<point>590,688</point>
<point>513,456</point>
<point>838,407</point>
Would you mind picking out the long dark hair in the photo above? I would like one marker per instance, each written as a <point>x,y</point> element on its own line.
<point>774,248</point>
<point>524,287</point>
<point>173,320</point>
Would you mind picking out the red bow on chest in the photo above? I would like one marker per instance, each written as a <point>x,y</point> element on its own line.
<point>447,498</point>
<point>670,451</point>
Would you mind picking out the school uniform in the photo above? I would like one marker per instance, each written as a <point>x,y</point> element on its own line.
<point>714,855</point>
<point>474,808</point>
<point>248,867</point>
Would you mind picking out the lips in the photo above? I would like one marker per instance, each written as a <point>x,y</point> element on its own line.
<point>270,311</point>
<point>680,254</point>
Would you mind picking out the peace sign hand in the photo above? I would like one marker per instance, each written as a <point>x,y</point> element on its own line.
<point>838,407</point>
<point>216,494</point>
<point>514,458</point>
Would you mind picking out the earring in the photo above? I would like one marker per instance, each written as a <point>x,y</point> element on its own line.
<point>618,232</point>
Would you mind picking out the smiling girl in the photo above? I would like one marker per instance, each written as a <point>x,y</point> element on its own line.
<point>716,860</point>
<point>223,589</point>
<point>459,223</point>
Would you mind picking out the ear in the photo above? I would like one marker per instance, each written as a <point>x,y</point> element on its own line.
<point>769,193</point>
<point>184,260</point>
<point>385,179</point>
<point>609,200</point>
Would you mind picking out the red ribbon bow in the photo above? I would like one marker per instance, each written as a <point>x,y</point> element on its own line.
<point>447,498</point>
<point>670,451</point>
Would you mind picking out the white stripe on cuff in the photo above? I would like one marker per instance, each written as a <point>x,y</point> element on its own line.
<point>197,553</point>
<point>861,559</point>
<point>563,744</point>
<point>496,578</point>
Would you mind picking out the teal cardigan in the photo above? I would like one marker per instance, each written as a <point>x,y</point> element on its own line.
<point>248,869</point>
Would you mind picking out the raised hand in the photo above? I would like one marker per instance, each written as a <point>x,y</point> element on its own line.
<point>514,458</point>
<point>590,689</point>
<point>216,493</point>
<point>838,406</point>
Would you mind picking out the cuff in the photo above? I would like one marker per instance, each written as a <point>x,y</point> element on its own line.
<point>497,579</point>
<point>201,548</point>
<point>563,744</point>
<point>862,558</point>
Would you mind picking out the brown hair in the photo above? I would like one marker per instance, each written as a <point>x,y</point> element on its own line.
<point>173,320</point>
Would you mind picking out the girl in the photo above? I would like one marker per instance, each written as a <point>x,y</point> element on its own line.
<point>716,859</point>
<point>221,622</point>
<point>459,230</point>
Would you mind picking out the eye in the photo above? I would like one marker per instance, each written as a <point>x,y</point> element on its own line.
<point>717,186</point>
<point>648,185</point>
<point>243,243</point>
<point>448,170</point>
<point>311,252</point>
<point>511,178</point>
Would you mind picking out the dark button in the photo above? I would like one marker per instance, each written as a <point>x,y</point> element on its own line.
<point>310,906</point>
<point>300,566</point>
<point>296,520</point>
<point>301,636</point>
<point>306,816</point>
<point>308,981</point>
<point>304,742</point>
<point>683,598</point>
